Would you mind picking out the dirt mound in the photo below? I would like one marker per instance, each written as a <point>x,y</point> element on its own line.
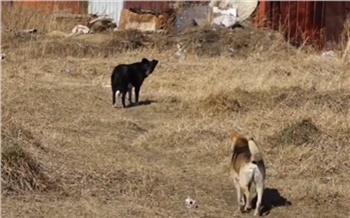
<point>337,101</point>
<point>94,45</point>
<point>298,133</point>
<point>20,170</point>
<point>238,101</point>
<point>290,97</point>
<point>202,41</point>
<point>127,40</point>
<point>219,103</point>
<point>209,41</point>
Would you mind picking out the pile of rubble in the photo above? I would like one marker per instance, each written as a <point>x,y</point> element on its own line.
<point>94,25</point>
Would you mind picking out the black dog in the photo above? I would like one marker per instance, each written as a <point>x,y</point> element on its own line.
<point>126,76</point>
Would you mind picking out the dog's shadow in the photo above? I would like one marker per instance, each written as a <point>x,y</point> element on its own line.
<point>271,199</point>
<point>141,103</point>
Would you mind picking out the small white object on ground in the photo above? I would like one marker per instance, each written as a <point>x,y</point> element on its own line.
<point>68,70</point>
<point>228,17</point>
<point>190,203</point>
<point>79,29</point>
<point>329,54</point>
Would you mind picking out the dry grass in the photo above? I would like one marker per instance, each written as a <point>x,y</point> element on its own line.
<point>67,153</point>
<point>20,170</point>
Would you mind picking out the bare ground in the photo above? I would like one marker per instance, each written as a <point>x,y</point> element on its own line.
<point>67,153</point>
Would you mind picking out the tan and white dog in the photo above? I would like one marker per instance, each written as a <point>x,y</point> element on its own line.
<point>247,169</point>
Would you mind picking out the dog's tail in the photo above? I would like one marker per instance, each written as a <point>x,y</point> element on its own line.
<point>234,137</point>
<point>256,154</point>
<point>255,151</point>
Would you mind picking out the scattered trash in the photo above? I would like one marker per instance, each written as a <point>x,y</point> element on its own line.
<point>30,31</point>
<point>232,50</point>
<point>181,52</point>
<point>95,24</point>
<point>329,54</point>
<point>191,15</point>
<point>68,71</point>
<point>79,29</point>
<point>141,20</point>
<point>190,203</point>
<point>228,18</point>
<point>180,55</point>
<point>22,33</point>
<point>101,23</point>
<point>230,13</point>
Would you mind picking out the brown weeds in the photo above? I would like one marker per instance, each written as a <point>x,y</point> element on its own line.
<point>144,161</point>
<point>20,170</point>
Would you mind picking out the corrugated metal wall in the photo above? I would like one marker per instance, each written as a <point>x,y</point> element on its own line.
<point>319,21</point>
<point>53,6</point>
<point>111,8</point>
<point>298,20</point>
<point>337,13</point>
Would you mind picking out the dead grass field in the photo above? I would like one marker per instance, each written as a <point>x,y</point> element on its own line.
<point>67,153</point>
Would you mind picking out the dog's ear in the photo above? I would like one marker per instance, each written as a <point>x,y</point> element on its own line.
<point>144,60</point>
<point>152,65</point>
<point>155,62</point>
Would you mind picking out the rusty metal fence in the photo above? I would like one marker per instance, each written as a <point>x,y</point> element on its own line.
<point>315,22</point>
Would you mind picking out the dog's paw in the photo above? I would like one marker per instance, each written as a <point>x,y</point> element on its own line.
<point>114,105</point>
<point>248,209</point>
<point>241,208</point>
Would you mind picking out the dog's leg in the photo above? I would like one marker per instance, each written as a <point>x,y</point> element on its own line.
<point>113,98</point>
<point>123,99</point>
<point>260,191</point>
<point>130,96</point>
<point>130,93</point>
<point>137,92</point>
<point>240,198</point>
<point>246,192</point>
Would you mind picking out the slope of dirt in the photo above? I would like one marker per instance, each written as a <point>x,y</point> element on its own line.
<point>144,161</point>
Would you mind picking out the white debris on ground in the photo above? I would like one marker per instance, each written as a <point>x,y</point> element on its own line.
<point>79,30</point>
<point>228,17</point>
<point>230,12</point>
<point>329,54</point>
<point>68,70</point>
<point>180,54</point>
<point>96,24</point>
<point>190,203</point>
